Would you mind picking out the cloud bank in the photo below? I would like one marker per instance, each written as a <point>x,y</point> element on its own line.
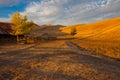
<point>8,2</point>
<point>67,12</point>
<point>72,12</point>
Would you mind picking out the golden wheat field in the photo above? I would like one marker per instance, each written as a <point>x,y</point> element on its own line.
<point>102,37</point>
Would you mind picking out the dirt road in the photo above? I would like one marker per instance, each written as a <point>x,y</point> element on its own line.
<point>58,59</point>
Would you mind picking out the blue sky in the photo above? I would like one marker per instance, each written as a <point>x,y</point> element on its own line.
<point>65,12</point>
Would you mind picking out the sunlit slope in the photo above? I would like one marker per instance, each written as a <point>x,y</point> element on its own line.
<point>68,28</point>
<point>102,37</point>
<point>112,34</point>
<point>106,29</point>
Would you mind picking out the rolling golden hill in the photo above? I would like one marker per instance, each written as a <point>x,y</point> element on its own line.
<point>106,29</point>
<point>102,37</point>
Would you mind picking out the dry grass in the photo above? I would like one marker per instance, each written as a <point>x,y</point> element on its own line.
<point>108,48</point>
<point>54,60</point>
<point>102,37</point>
<point>68,28</point>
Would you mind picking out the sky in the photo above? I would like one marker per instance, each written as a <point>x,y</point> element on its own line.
<point>64,12</point>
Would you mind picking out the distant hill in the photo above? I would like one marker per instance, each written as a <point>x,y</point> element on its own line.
<point>5,28</point>
<point>102,37</point>
<point>38,30</point>
<point>103,30</point>
<point>67,29</point>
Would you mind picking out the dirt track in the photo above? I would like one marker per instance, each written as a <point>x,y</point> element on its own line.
<point>55,60</point>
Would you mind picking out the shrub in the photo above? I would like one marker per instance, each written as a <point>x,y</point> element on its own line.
<point>73,31</point>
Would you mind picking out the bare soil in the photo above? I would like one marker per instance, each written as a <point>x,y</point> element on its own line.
<point>55,59</point>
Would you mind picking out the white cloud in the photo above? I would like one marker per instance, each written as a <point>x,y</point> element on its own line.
<point>4,19</point>
<point>9,2</point>
<point>46,11</point>
<point>68,12</point>
<point>61,12</point>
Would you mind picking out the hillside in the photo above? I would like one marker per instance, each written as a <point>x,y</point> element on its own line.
<point>68,28</point>
<point>107,29</point>
<point>102,37</point>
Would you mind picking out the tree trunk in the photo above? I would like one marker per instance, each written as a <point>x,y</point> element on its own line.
<point>17,38</point>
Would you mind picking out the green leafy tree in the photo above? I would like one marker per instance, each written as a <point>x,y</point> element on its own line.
<point>20,25</point>
<point>73,31</point>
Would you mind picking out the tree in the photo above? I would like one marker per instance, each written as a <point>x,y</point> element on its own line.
<point>20,25</point>
<point>73,31</point>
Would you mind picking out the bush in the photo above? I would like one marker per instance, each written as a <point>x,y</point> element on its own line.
<point>73,31</point>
